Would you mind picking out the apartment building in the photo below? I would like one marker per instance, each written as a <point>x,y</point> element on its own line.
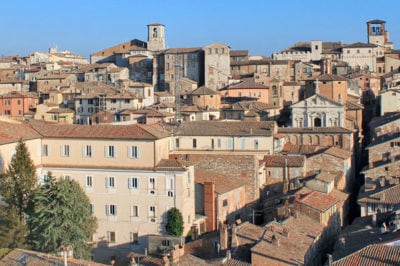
<point>124,170</point>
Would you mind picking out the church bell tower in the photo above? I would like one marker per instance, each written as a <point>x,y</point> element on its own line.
<point>156,37</point>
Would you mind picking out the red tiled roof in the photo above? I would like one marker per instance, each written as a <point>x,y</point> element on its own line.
<point>338,152</point>
<point>390,195</point>
<point>282,160</point>
<point>12,132</point>
<point>315,199</point>
<point>247,83</point>
<point>372,255</point>
<point>98,131</point>
<point>172,164</point>
<point>223,183</point>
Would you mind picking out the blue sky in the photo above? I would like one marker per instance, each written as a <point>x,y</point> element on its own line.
<point>260,26</point>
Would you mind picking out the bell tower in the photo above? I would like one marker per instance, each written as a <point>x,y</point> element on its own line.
<point>156,37</point>
<point>376,32</point>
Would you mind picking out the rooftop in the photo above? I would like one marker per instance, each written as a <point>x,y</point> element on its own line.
<point>223,183</point>
<point>372,255</point>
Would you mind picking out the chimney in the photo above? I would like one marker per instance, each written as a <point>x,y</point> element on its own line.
<point>374,220</point>
<point>223,236</point>
<point>275,240</point>
<point>209,206</point>
<point>330,259</point>
<point>285,232</point>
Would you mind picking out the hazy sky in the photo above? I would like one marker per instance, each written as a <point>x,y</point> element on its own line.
<point>262,27</point>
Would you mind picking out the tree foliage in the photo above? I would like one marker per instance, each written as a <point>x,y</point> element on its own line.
<point>175,222</point>
<point>19,181</point>
<point>13,231</point>
<point>61,216</point>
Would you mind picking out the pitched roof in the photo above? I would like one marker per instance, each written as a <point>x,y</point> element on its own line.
<point>172,165</point>
<point>203,91</point>
<point>302,232</point>
<point>282,160</point>
<point>12,131</point>
<point>250,105</point>
<point>338,152</point>
<point>385,119</point>
<point>315,199</point>
<point>182,50</point>
<point>378,254</point>
<point>316,130</point>
<point>27,257</point>
<point>226,128</point>
<point>98,131</point>
<point>389,195</point>
<point>291,148</point>
<point>238,52</point>
<point>223,184</point>
<point>247,83</point>
<point>330,77</point>
<point>360,45</point>
<point>353,106</point>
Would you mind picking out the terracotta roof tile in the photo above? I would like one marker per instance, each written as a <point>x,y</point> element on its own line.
<point>287,130</point>
<point>389,195</point>
<point>315,199</point>
<point>223,183</point>
<point>226,128</point>
<point>172,164</point>
<point>98,131</point>
<point>372,255</point>
<point>282,160</point>
<point>247,83</point>
<point>13,131</point>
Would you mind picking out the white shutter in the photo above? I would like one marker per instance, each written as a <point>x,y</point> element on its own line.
<point>130,185</point>
<point>84,151</point>
<point>115,151</point>
<point>107,182</point>
<point>107,209</point>
<point>138,151</point>
<point>62,150</point>
<point>129,151</point>
<point>106,151</point>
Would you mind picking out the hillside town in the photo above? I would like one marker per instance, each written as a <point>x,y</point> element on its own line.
<point>288,159</point>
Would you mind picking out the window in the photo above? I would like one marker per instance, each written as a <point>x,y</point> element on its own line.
<point>20,112</point>
<point>19,102</point>
<point>242,143</point>
<point>91,208</point>
<point>225,203</point>
<point>176,143</point>
<point>7,112</point>
<point>133,183</point>
<point>111,210</point>
<point>90,109</point>
<point>256,144</point>
<point>110,151</point>
<point>166,243</point>
<point>134,238</point>
<point>135,212</point>
<point>209,50</point>
<point>53,117</point>
<point>66,150</point>
<point>395,144</point>
<point>170,194</point>
<point>110,182</point>
<point>89,181</point>
<point>127,101</point>
<point>216,50</point>
<point>113,100</point>
<point>90,101</point>
<point>152,211</point>
<point>111,236</point>
<point>45,150</point>
<point>152,183</point>
<point>212,143</point>
<point>8,102</point>
<point>87,151</point>
<point>133,152</point>
<point>229,144</point>
<point>219,143</point>
<point>194,143</point>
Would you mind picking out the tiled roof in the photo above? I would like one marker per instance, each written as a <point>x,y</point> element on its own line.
<point>389,195</point>
<point>60,110</point>
<point>360,45</point>
<point>19,94</point>
<point>163,94</point>
<point>12,131</point>
<point>316,130</point>
<point>338,152</point>
<point>282,160</point>
<point>353,106</point>
<point>302,232</point>
<point>372,255</point>
<point>315,199</point>
<point>291,148</point>
<point>238,52</point>
<point>26,257</point>
<point>386,138</point>
<point>247,83</point>
<point>251,105</point>
<point>182,50</point>
<point>98,131</point>
<point>226,128</point>
<point>330,77</point>
<point>223,183</point>
<point>260,62</point>
<point>385,119</point>
<point>172,164</point>
<point>203,91</point>
<point>362,233</point>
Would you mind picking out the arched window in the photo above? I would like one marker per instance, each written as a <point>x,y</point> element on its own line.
<point>317,122</point>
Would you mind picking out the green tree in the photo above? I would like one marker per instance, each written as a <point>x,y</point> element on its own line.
<point>175,222</point>
<point>61,216</point>
<point>13,231</point>
<point>19,180</point>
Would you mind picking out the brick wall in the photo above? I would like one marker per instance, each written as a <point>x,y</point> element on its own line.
<point>240,167</point>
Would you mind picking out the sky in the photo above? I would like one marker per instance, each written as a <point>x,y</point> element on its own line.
<point>260,26</point>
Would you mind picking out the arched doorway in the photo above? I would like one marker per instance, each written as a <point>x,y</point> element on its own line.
<point>317,122</point>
